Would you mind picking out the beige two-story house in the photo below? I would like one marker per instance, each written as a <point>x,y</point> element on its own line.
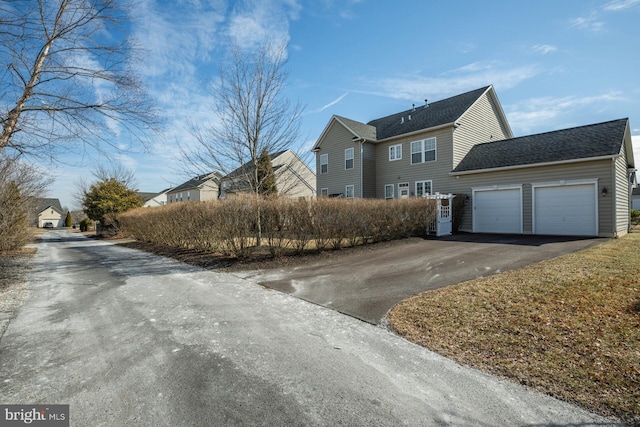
<point>570,182</point>
<point>198,189</point>
<point>293,177</point>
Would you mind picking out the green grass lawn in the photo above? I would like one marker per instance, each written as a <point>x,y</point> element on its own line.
<point>569,327</point>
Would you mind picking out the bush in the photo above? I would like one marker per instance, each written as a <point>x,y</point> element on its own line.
<point>635,216</point>
<point>68,221</point>
<point>235,226</point>
<point>85,224</point>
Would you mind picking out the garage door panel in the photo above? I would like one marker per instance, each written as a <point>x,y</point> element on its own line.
<point>566,210</point>
<point>498,211</point>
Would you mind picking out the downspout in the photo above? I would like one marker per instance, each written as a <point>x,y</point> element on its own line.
<point>361,163</point>
<point>614,199</point>
<point>361,140</point>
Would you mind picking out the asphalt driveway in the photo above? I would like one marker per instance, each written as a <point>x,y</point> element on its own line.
<point>127,338</point>
<point>368,282</point>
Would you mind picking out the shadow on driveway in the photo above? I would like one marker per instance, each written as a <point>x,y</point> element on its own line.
<point>367,283</point>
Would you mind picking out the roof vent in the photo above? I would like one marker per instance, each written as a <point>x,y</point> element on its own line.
<point>409,117</point>
<point>426,103</point>
<point>402,120</point>
<point>413,108</point>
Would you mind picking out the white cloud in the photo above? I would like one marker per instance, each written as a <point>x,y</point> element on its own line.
<point>617,5</point>
<point>254,21</point>
<point>635,141</point>
<point>544,48</point>
<point>330,104</point>
<point>545,113</point>
<point>469,77</point>
<point>589,23</point>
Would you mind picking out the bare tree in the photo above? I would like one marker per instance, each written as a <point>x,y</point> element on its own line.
<point>253,116</point>
<point>20,187</point>
<point>66,78</point>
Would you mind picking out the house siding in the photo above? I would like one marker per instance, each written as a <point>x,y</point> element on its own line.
<point>395,172</point>
<point>596,169</point>
<point>621,192</point>
<point>296,179</point>
<point>369,170</point>
<point>50,215</point>
<point>336,140</point>
<point>481,123</point>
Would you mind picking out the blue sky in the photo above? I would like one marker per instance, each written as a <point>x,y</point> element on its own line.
<point>554,64</point>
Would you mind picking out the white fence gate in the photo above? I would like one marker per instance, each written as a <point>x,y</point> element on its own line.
<point>442,225</point>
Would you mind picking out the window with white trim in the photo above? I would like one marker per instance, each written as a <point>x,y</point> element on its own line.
<point>348,191</point>
<point>348,158</point>
<point>423,188</point>
<point>324,163</point>
<point>324,192</point>
<point>188,195</point>
<point>388,191</point>
<point>423,151</point>
<point>395,152</point>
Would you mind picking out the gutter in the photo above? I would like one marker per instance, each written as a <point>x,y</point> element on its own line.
<point>531,165</point>
<point>404,135</point>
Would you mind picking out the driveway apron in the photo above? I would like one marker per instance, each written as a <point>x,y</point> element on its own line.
<point>368,282</point>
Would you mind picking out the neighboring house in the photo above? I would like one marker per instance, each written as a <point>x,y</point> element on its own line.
<point>156,199</point>
<point>49,210</point>
<point>293,177</point>
<point>635,198</point>
<point>198,189</point>
<point>569,182</point>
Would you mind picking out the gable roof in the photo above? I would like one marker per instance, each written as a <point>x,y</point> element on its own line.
<point>444,112</point>
<point>434,114</point>
<point>146,196</point>
<point>579,143</point>
<point>247,168</point>
<point>197,181</point>
<point>44,203</point>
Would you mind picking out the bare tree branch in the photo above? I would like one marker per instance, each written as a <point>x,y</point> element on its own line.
<point>253,116</point>
<point>66,77</point>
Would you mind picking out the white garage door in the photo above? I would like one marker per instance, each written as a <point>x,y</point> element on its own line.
<point>565,210</point>
<point>497,211</point>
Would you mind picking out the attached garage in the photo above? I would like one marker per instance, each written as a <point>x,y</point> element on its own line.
<point>497,210</point>
<point>566,209</point>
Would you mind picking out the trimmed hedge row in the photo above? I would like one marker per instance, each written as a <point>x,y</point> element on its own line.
<point>233,227</point>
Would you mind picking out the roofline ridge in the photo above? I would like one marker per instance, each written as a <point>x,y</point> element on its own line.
<point>553,131</point>
<point>411,110</point>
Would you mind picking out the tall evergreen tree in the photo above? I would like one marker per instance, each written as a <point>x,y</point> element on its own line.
<point>266,178</point>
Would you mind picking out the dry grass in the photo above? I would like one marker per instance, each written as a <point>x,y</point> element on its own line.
<point>569,327</point>
<point>13,272</point>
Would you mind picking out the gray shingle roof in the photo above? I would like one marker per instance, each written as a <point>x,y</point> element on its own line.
<point>44,203</point>
<point>363,130</point>
<point>247,168</point>
<point>596,140</point>
<point>197,181</point>
<point>437,113</point>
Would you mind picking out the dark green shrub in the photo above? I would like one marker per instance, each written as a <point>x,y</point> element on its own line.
<point>85,224</point>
